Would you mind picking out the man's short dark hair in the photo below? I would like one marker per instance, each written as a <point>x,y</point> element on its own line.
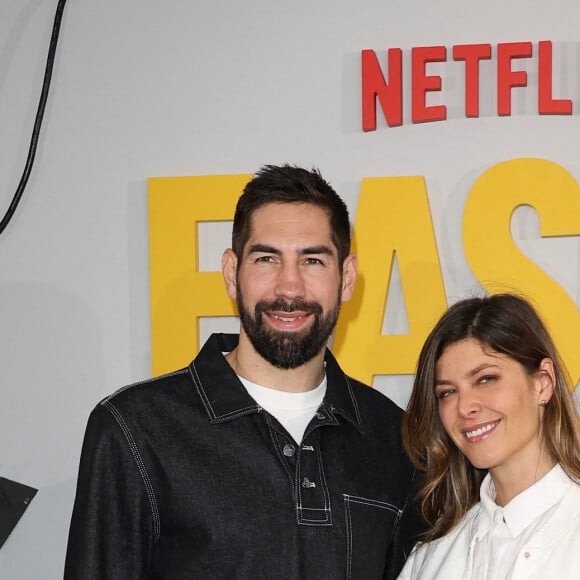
<point>291,184</point>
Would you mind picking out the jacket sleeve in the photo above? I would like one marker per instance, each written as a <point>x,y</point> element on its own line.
<point>112,528</point>
<point>408,531</point>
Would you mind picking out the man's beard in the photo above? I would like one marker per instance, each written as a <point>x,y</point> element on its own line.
<point>287,350</point>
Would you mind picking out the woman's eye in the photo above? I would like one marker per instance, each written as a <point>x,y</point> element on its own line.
<point>486,379</point>
<point>443,394</point>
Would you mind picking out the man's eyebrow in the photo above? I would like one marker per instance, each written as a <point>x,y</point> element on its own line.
<point>310,250</point>
<point>263,248</point>
<point>322,249</point>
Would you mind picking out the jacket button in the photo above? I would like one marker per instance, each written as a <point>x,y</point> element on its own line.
<point>306,483</point>
<point>288,450</point>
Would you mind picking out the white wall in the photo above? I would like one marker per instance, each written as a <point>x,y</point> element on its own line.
<point>146,88</point>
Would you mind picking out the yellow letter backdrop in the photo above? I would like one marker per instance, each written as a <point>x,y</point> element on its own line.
<point>180,293</point>
<point>494,257</point>
<point>393,219</point>
<point>393,216</point>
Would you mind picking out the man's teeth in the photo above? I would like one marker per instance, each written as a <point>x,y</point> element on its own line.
<point>287,318</point>
<point>481,430</point>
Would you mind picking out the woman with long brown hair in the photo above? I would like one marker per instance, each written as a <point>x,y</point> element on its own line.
<point>492,422</point>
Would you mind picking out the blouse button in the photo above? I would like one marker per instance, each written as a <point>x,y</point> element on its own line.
<point>526,554</point>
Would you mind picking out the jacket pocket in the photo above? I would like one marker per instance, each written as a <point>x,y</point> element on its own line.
<point>369,529</point>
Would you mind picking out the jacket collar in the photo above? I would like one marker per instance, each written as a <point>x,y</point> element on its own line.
<point>225,398</point>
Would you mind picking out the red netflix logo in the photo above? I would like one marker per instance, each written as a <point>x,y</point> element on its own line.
<point>389,93</point>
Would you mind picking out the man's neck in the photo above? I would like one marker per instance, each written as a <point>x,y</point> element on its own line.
<point>247,363</point>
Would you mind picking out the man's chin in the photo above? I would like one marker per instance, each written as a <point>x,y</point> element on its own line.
<point>285,350</point>
<point>287,336</point>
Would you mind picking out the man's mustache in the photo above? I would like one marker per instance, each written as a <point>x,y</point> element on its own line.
<point>282,305</point>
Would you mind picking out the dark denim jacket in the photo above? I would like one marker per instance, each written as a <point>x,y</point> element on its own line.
<point>185,476</point>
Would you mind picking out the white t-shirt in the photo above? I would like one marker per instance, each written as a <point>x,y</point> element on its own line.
<point>293,410</point>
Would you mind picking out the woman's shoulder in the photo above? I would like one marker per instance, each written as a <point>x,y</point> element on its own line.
<point>566,518</point>
<point>446,556</point>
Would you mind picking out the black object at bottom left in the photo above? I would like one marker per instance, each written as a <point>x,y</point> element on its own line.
<point>14,499</point>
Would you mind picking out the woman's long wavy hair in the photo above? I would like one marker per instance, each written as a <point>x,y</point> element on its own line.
<point>505,324</point>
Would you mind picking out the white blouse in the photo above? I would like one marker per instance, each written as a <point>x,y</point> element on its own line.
<point>536,535</point>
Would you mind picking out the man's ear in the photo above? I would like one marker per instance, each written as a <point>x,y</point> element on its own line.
<point>229,270</point>
<point>546,378</point>
<point>349,271</point>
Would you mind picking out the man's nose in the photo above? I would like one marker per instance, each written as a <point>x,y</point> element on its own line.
<point>290,281</point>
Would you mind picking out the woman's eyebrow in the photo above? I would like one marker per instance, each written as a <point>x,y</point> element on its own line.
<point>470,373</point>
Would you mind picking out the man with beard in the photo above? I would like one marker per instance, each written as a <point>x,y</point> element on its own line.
<point>262,459</point>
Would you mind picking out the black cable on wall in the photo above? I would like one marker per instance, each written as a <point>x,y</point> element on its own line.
<point>39,115</point>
